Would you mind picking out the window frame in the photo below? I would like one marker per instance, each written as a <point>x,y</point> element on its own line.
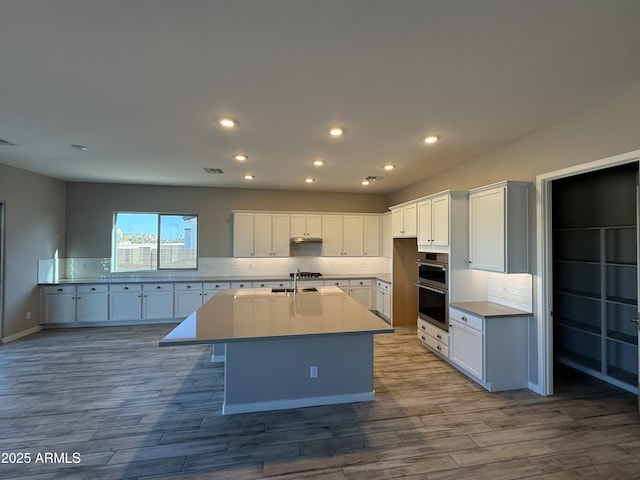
<point>159,215</point>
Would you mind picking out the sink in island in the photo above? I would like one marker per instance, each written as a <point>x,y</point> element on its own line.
<point>287,349</point>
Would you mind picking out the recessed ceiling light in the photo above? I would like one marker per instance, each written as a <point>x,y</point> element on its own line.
<point>336,131</point>
<point>227,122</point>
<point>249,177</point>
<point>82,148</point>
<point>431,139</point>
<point>240,157</point>
<point>318,163</point>
<point>309,180</point>
<point>365,182</point>
<point>389,166</point>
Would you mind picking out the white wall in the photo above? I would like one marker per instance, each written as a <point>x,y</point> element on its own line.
<point>34,229</point>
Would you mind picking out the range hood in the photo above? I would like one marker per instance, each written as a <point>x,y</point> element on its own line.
<point>303,239</point>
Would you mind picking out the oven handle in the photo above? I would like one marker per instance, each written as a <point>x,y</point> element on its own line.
<point>434,265</point>
<point>437,290</point>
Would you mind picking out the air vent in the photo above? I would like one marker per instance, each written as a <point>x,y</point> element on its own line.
<point>4,143</point>
<point>373,178</point>
<point>213,170</point>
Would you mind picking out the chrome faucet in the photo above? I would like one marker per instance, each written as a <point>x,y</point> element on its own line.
<point>295,280</point>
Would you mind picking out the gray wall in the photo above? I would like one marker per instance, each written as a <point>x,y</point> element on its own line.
<point>34,229</point>
<point>90,208</point>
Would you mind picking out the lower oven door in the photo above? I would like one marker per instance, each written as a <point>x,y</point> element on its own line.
<point>432,305</point>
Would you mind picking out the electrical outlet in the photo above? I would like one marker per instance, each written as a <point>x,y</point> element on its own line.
<point>28,316</point>
<point>313,371</point>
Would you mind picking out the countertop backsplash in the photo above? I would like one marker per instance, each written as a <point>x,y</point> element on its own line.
<point>512,290</point>
<point>52,270</point>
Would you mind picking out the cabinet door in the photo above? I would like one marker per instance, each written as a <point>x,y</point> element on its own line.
<point>425,236</point>
<point>332,235</point>
<point>262,234</point>
<point>314,225</point>
<point>186,302</point>
<point>466,349</point>
<point>243,235</point>
<point>410,219</point>
<point>158,304</point>
<point>440,221</point>
<point>353,236</point>
<point>486,230</point>
<point>397,222</point>
<point>362,295</point>
<point>371,236</point>
<point>281,235</point>
<point>125,306</point>
<point>298,226</point>
<point>60,307</point>
<point>92,307</point>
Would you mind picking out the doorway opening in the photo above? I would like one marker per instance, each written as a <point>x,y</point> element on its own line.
<point>594,278</point>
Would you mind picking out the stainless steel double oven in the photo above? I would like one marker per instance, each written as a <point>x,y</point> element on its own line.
<point>433,297</point>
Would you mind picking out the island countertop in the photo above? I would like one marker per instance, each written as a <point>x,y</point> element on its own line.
<point>249,314</point>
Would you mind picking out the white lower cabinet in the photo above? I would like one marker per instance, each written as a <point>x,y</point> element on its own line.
<point>383,299</point>
<point>157,301</point>
<point>68,303</point>
<point>361,291</point>
<point>187,297</point>
<point>125,302</point>
<point>493,351</point>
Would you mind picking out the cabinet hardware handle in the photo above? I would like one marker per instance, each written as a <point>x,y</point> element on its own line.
<point>93,289</point>
<point>422,337</point>
<point>634,320</point>
<point>126,288</point>
<point>59,290</point>
<point>158,287</point>
<point>439,347</point>
<point>422,327</point>
<point>464,319</point>
<point>188,286</point>
<point>439,336</point>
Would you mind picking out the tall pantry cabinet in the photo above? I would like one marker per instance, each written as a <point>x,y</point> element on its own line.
<point>595,285</point>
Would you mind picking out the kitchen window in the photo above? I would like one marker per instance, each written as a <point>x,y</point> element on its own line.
<point>154,241</point>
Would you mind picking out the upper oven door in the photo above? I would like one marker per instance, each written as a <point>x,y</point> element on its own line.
<point>432,273</point>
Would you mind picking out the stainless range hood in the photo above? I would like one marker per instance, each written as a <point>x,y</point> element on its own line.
<point>305,239</point>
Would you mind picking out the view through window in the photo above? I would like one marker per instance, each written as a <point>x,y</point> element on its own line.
<point>154,241</point>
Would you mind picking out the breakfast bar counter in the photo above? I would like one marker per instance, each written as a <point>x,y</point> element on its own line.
<point>287,349</point>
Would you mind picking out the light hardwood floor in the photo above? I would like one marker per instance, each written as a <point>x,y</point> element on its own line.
<point>131,409</point>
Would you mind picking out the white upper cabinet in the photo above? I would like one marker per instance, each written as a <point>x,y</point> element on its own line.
<point>371,235</point>
<point>433,221</point>
<point>260,234</point>
<point>306,225</point>
<point>386,240</point>
<point>342,235</point>
<point>404,220</point>
<point>499,227</point>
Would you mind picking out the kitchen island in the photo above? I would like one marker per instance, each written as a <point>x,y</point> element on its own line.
<point>287,349</point>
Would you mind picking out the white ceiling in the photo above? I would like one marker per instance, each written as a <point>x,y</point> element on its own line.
<point>141,82</point>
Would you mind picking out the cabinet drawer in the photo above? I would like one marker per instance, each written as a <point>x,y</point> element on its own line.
<point>187,287</point>
<point>434,343</point>
<point>271,284</point>
<point>240,284</point>
<point>361,283</point>
<point>92,289</point>
<point>216,285</point>
<point>157,287</point>
<point>60,289</point>
<point>433,331</point>
<point>383,285</point>
<point>471,321</point>
<point>337,283</point>
<point>128,287</point>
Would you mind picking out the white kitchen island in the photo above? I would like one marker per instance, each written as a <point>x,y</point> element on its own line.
<point>286,350</point>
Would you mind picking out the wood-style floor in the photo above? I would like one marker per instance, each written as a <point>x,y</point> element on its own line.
<point>130,409</point>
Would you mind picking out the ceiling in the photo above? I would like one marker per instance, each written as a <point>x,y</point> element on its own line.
<point>142,82</point>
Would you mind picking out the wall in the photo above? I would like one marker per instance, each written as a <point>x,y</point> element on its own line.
<point>609,129</point>
<point>90,208</point>
<point>34,229</point>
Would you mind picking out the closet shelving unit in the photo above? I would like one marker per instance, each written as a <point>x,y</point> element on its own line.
<point>595,296</point>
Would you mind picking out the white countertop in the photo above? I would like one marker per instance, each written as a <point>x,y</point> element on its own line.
<point>250,314</point>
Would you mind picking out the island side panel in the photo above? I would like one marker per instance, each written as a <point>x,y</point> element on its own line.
<point>275,374</point>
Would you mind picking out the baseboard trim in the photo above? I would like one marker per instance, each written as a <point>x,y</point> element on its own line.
<point>19,335</point>
<point>296,403</point>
